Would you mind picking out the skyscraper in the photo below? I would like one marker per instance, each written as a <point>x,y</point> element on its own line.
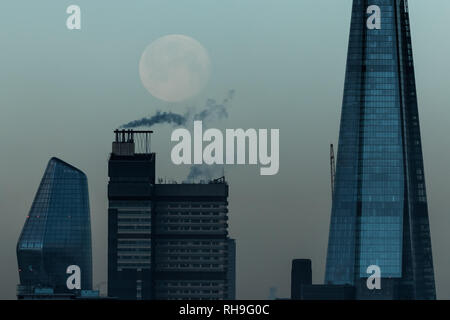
<point>191,245</point>
<point>379,213</point>
<point>130,194</point>
<point>57,233</point>
<point>166,240</point>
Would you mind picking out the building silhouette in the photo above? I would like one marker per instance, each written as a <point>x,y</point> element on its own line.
<point>130,195</point>
<point>301,275</point>
<point>379,213</point>
<point>165,240</point>
<point>302,287</point>
<point>56,234</point>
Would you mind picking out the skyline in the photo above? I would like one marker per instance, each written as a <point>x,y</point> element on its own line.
<point>303,181</point>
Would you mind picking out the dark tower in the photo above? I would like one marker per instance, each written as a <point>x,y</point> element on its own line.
<point>57,232</point>
<point>131,171</point>
<point>379,214</point>
<point>301,274</point>
<point>165,240</point>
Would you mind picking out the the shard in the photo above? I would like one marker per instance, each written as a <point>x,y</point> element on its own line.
<point>379,212</point>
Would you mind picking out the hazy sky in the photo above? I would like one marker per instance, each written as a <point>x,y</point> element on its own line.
<point>63,92</point>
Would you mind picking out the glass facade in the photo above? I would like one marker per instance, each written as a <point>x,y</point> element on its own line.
<point>379,214</point>
<point>57,231</point>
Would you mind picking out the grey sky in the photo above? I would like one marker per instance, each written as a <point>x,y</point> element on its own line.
<point>63,92</point>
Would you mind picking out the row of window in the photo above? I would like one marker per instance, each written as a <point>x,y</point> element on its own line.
<point>191,228</point>
<point>188,266</point>
<point>191,205</point>
<point>191,243</point>
<point>188,284</point>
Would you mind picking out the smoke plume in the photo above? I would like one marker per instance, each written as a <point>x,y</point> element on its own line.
<point>159,117</point>
<point>212,111</point>
<point>205,172</point>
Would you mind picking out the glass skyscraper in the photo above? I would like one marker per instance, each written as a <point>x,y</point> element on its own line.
<point>57,232</point>
<point>379,213</point>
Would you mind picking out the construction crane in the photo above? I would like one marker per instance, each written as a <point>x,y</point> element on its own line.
<point>333,169</point>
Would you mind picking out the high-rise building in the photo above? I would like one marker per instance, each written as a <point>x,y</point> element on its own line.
<point>166,240</point>
<point>379,213</point>
<point>56,234</point>
<point>191,241</point>
<point>130,194</point>
<point>301,275</point>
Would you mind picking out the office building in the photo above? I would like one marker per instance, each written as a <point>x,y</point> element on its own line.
<point>379,213</point>
<point>56,234</point>
<point>165,240</point>
<point>130,195</point>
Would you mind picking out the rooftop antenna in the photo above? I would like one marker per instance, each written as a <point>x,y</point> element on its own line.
<point>333,169</point>
<point>141,139</point>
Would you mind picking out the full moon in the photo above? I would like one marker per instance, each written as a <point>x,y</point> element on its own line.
<point>174,68</point>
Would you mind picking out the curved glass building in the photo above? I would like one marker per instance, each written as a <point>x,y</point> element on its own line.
<point>379,213</point>
<point>57,232</point>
